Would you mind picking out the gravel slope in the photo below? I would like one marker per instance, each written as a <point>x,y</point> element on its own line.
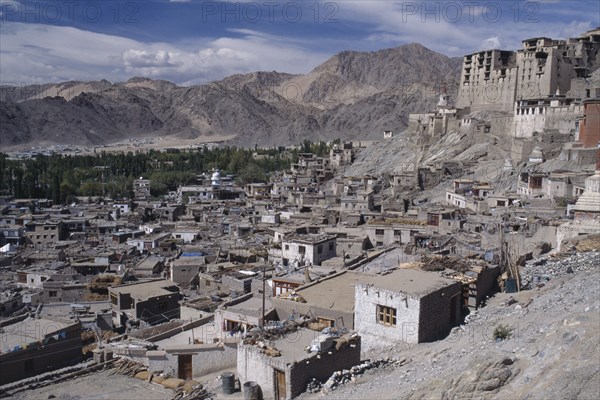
<point>553,352</point>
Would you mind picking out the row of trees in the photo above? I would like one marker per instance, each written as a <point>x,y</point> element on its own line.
<point>62,177</point>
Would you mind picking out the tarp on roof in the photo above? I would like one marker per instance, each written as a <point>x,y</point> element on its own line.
<point>7,248</point>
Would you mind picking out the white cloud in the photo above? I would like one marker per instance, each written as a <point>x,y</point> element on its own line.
<point>575,28</point>
<point>41,53</point>
<point>143,59</point>
<point>491,43</point>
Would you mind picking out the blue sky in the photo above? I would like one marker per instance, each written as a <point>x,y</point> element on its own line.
<point>197,41</point>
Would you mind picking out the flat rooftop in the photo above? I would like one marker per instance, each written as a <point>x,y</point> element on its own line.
<point>251,307</point>
<point>337,292</point>
<point>293,345</point>
<point>190,260</point>
<point>410,281</point>
<point>308,238</point>
<point>146,289</point>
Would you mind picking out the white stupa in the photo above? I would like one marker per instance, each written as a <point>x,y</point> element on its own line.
<point>537,155</point>
<point>215,180</point>
<point>589,201</point>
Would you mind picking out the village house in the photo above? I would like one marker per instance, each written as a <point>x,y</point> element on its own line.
<point>194,194</point>
<point>63,288</point>
<point>357,201</point>
<point>503,200</point>
<point>152,302</point>
<point>185,268</point>
<point>141,189</point>
<point>307,249</point>
<point>258,191</point>
<point>187,234</point>
<point>468,193</point>
<point>10,302</point>
<point>406,305</point>
<point>393,231</point>
<point>14,235</point>
<point>444,221</point>
<point>530,184</point>
<point>341,155</point>
<point>290,280</point>
<point>330,300</point>
<point>45,232</point>
<point>149,267</point>
<point>146,243</point>
<point>239,315</point>
<point>283,371</point>
<point>191,359</point>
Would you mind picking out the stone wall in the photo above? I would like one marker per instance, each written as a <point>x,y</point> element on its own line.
<point>375,334</point>
<point>539,119</point>
<point>436,311</point>
<point>206,359</point>
<point>253,365</point>
<point>303,372</point>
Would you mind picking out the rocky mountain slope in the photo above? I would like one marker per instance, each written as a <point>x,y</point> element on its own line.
<point>552,352</point>
<point>353,95</point>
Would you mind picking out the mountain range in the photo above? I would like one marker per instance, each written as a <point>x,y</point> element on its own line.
<point>353,96</point>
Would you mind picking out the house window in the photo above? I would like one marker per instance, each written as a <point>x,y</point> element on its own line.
<point>379,232</point>
<point>397,232</point>
<point>287,246</point>
<point>301,250</point>
<point>114,299</point>
<point>207,282</point>
<point>53,293</point>
<point>386,315</point>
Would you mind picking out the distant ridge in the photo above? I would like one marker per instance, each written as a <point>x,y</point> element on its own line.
<point>353,95</point>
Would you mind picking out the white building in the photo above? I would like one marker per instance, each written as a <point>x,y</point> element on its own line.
<point>405,305</point>
<point>307,249</point>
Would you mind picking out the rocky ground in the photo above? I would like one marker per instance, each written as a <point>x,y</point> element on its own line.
<point>553,350</point>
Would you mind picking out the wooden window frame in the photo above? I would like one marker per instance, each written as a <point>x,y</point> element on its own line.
<point>386,315</point>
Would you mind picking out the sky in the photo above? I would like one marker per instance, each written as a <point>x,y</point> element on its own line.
<point>197,41</point>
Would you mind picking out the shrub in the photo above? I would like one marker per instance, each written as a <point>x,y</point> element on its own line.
<point>502,332</point>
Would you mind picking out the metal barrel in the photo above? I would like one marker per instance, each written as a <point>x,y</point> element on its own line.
<point>228,383</point>
<point>251,391</point>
